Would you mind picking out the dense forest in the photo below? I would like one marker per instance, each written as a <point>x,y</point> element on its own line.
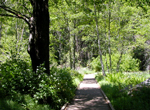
<point>44,44</point>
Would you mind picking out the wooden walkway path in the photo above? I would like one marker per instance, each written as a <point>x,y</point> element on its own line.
<point>89,96</point>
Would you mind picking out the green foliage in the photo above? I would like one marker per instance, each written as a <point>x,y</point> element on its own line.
<point>17,80</point>
<point>95,64</point>
<point>12,47</point>
<point>113,85</point>
<point>127,63</point>
<point>64,83</point>
<point>22,102</point>
<point>10,105</point>
<point>122,79</point>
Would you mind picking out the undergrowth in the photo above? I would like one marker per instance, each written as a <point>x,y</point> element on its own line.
<point>22,89</point>
<point>113,85</point>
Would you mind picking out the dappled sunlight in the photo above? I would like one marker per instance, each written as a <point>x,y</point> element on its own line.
<point>89,96</point>
<point>88,86</point>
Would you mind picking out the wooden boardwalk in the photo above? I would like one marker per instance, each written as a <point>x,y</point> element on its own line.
<point>89,96</point>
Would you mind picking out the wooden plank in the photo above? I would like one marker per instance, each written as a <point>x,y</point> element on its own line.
<point>89,96</point>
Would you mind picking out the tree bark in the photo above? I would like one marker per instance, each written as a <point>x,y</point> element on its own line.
<point>109,43</point>
<point>99,45</point>
<point>38,47</point>
<point>74,46</point>
<point>0,31</point>
<point>119,61</point>
<point>21,37</point>
<point>70,51</point>
<point>106,45</point>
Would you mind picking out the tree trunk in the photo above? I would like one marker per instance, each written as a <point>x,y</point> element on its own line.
<point>70,51</point>
<point>21,37</point>
<point>109,43</point>
<point>38,47</point>
<point>122,50</point>
<point>60,48</point>
<point>74,57</point>
<point>0,31</point>
<point>119,61</point>
<point>74,46</point>
<point>17,37</point>
<point>99,45</point>
<point>106,45</point>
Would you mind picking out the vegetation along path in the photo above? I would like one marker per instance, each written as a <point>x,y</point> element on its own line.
<point>89,96</point>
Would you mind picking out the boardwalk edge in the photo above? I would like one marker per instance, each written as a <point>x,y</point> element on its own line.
<point>64,107</point>
<point>107,100</point>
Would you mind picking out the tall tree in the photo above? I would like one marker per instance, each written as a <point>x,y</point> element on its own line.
<point>109,43</point>
<point>38,22</point>
<point>0,31</point>
<point>99,44</point>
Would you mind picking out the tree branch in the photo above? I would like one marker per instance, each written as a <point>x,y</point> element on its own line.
<point>15,13</point>
<point>8,15</point>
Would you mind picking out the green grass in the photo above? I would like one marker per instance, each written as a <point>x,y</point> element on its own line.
<point>113,84</point>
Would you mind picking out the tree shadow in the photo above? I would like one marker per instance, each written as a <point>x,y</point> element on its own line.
<point>89,97</point>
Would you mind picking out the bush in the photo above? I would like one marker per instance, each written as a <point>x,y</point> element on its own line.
<point>54,90</point>
<point>127,63</point>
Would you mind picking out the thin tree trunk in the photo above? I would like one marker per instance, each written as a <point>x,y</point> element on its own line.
<point>107,63</point>
<point>74,45</point>
<point>74,57</point>
<point>120,58</point>
<point>99,45</point>
<point>119,61</point>
<point>106,45</point>
<point>17,36</point>
<point>0,31</point>
<point>69,36</point>
<point>70,54</point>
<point>109,43</point>
<point>70,51</point>
<point>60,48</point>
<point>21,37</point>
<point>77,43</point>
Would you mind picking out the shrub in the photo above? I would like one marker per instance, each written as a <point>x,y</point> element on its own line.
<point>54,90</point>
<point>95,64</point>
<point>14,76</point>
<point>127,63</point>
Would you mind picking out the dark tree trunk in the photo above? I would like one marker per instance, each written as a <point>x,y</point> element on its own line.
<point>74,46</point>
<point>38,47</point>
<point>0,31</point>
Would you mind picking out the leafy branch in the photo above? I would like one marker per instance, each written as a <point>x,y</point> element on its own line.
<point>14,13</point>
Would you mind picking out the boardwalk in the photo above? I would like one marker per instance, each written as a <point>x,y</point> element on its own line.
<point>89,96</point>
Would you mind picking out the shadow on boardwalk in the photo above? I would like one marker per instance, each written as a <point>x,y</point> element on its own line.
<point>89,96</point>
